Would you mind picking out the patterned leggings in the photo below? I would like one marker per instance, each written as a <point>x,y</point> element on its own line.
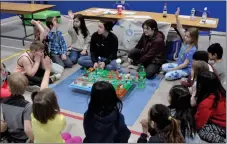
<point>212,133</point>
<point>173,75</point>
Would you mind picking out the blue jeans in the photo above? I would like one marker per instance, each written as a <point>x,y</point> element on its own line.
<point>75,55</point>
<point>86,61</point>
<point>173,75</point>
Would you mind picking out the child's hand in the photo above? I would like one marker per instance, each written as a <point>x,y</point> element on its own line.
<point>144,124</point>
<point>96,65</point>
<point>63,57</point>
<point>84,52</point>
<point>102,65</point>
<point>70,13</point>
<point>33,22</point>
<point>37,58</point>
<point>177,12</point>
<point>47,63</point>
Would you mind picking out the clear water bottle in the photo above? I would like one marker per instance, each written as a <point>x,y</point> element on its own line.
<point>192,14</point>
<point>165,10</point>
<point>118,61</point>
<point>99,64</point>
<point>204,16</point>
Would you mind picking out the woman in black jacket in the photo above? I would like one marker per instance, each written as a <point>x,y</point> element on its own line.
<point>103,48</point>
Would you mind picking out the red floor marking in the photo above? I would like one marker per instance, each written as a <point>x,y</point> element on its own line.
<point>81,118</point>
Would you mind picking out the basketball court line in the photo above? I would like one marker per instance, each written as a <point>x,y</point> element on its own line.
<point>81,118</point>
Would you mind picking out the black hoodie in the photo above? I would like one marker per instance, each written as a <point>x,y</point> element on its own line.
<point>108,129</point>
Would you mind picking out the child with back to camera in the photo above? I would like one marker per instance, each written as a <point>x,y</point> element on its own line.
<point>162,127</point>
<point>47,122</point>
<point>197,68</point>
<point>103,121</point>
<point>184,62</point>
<point>179,99</point>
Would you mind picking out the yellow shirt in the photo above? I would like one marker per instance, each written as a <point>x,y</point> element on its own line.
<point>49,132</point>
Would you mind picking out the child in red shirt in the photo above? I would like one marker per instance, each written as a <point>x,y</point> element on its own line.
<point>5,92</point>
<point>211,112</point>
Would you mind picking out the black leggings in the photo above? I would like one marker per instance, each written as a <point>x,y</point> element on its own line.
<point>37,78</point>
<point>150,68</point>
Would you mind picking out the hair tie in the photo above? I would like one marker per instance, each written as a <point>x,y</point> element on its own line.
<point>169,118</point>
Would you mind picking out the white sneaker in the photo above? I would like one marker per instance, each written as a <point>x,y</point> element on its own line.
<point>55,77</point>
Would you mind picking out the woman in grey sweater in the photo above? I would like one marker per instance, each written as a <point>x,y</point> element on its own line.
<point>80,37</point>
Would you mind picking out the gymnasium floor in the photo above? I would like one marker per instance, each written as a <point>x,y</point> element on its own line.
<point>11,49</point>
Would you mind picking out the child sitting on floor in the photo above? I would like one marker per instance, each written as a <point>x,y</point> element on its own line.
<point>80,37</point>
<point>211,112</point>
<point>16,111</point>
<point>29,63</point>
<point>57,45</point>
<point>215,53</point>
<point>197,68</point>
<point>40,34</point>
<point>184,63</point>
<point>103,121</point>
<point>198,56</point>
<point>179,99</point>
<point>162,127</point>
<point>47,122</point>
<point>5,92</point>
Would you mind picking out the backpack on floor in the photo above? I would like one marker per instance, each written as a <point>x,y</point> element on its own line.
<point>173,46</point>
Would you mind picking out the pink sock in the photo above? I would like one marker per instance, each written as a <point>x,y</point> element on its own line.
<point>66,136</point>
<point>75,139</point>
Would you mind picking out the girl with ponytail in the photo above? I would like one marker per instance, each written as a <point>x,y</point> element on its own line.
<point>161,126</point>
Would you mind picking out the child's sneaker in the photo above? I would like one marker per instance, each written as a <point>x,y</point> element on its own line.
<point>55,77</point>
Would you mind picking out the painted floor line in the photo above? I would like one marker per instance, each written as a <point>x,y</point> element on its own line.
<point>81,118</point>
<point>9,22</point>
<point>11,47</point>
<point>23,50</point>
<point>12,56</point>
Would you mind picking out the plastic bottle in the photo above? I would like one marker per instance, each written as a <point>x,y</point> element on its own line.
<point>142,75</point>
<point>165,10</point>
<point>204,16</point>
<point>118,61</point>
<point>99,65</point>
<point>192,14</point>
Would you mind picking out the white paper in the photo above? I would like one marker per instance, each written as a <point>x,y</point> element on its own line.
<point>100,9</point>
<point>213,22</point>
<point>110,12</point>
<point>184,16</point>
<point>139,16</point>
<point>128,13</point>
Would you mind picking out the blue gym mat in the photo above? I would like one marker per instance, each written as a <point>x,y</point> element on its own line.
<point>133,104</point>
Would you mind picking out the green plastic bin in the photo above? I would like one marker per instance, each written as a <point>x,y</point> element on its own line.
<point>41,16</point>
